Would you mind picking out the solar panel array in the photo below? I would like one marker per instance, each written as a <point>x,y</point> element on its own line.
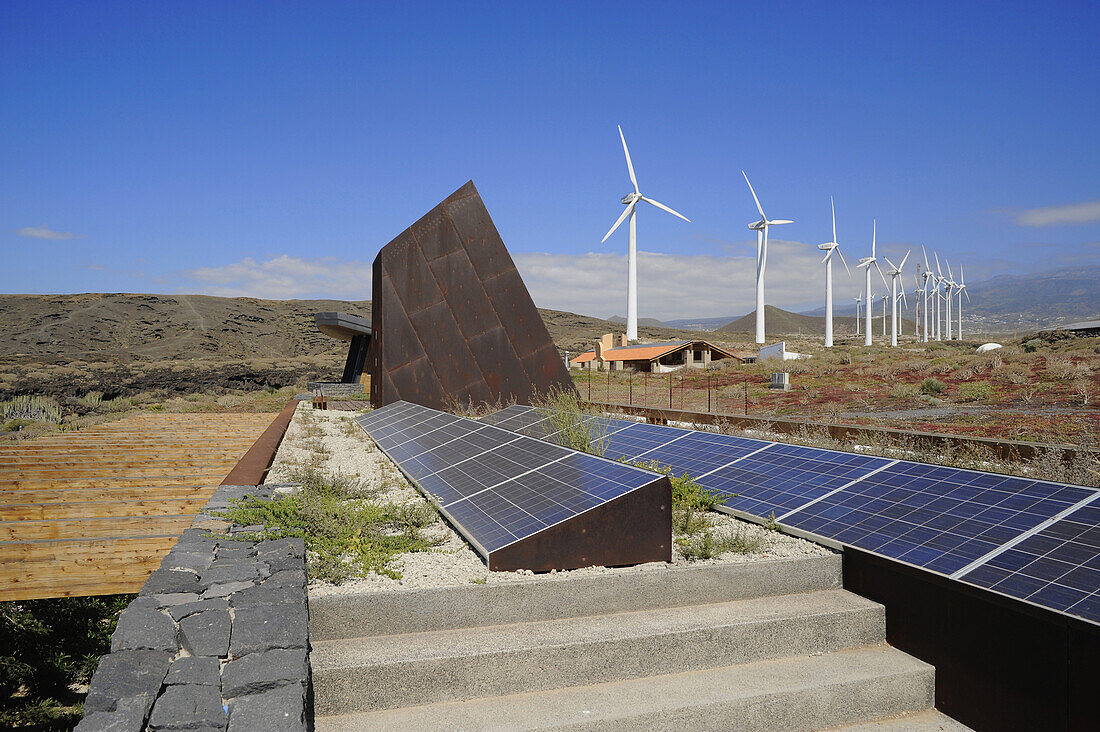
<point>497,487</point>
<point>1034,540</point>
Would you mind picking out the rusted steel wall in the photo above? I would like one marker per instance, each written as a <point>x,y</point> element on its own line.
<point>252,467</point>
<point>452,320</point>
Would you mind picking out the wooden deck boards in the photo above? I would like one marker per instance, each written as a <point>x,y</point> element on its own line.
<point>93,512</point>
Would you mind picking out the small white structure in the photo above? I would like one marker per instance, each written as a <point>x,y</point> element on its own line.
<point>779,350</point>
<point>781,380</point>
<point>988,347</point>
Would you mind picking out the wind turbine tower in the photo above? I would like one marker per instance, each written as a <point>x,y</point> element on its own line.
<point>895,273</point>
<point>962,291</point>
<point>630,200</point>
<point>950,282</point>
<point>829,248</point>
<point>865,263</point>
<point>761,229</point>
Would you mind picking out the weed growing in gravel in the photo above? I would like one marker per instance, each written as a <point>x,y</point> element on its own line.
<point>716,542</point>
<point>348,531</point>
<point>576,428</point>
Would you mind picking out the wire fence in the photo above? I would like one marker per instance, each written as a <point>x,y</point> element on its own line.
<point>692,391</point>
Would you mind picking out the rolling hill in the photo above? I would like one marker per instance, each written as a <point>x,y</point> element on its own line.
<point>782,322</point>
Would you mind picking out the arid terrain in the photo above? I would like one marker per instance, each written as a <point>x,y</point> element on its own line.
<point>191,351</point>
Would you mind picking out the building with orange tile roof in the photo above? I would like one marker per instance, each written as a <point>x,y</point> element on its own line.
<point>654,357</point>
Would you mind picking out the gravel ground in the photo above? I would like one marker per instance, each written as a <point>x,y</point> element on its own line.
<point>353,453</point>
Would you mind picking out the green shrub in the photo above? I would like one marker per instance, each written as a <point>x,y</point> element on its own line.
<point>932,386</point>
<point>575,428</point>
<point>348,531</point>
<point>975,391</point>
<point>34,408</point>
<point>904,391</point>
<point>45,647</point>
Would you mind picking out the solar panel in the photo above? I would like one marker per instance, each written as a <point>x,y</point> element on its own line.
<point>781,478</point>
<point>524,502</point>
<point>1057,566</point>
<point>1031,539</point>
<point>932,516</point>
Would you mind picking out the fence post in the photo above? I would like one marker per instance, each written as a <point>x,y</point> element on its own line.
<point>670,390</point>
<point>590,386</point>
<point>630,387</point>
<point>609,386</point>
<point>746,397</point>
<point>708,392</point>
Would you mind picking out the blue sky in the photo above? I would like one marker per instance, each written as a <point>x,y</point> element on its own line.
<point>270,149</point>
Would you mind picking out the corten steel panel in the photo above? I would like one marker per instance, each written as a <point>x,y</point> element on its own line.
<point>634,528</point>
<point>1001,663</point>
<point>452,319</point>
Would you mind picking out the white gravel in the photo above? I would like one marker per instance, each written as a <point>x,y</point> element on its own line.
<point>352,453</point>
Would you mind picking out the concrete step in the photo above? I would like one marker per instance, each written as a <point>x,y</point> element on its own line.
<point>382,672</point>
<point>802,693</point>
<point>570,596</point>
<point>930,720</point>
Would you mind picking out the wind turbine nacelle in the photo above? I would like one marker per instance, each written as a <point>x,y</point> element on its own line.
<point>630,198</point>
<point>826,247</point>
<point>757,225</point>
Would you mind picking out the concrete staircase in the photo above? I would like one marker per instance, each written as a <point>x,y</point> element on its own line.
<point>763,645</point>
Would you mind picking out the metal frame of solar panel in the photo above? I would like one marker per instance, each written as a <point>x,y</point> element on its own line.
<point>524,503</point>
<point>1033,540</point>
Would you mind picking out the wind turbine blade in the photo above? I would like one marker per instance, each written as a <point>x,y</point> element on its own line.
<point>663,207</point>
<point>874,236</point>
<point>880,274</point>
<point>780,221</point>
<point>837,250</point>
<point>833,207</point>
<point>938,270</point>
<point>962,277</point>
<point>626,212</point>
<point>828,254</point>
<point>629,164</point>
<point>967,294</point>
<point>948,265</point>
<point>758,206</point>
<point>925,258</point>
<point>906,257</point>
<point>904,299</point>
<point>887,260</point>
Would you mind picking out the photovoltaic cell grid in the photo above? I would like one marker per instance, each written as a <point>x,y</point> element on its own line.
<point>1057,567</point>
<point>952,521</point>
<point>496,486</point>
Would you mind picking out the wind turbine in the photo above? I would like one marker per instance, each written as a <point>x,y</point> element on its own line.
<point>631,202</point>
<point>884,316</point>
<point>939,278</point>
<point>928,276</point>
<point>919,307</point>
<point>761,229</point>
<point>962,291</point>
<point>859,301</point>
<point>895,273</point>
<point>950,282</point>
<point>866,263</point>
<point>829,248</point>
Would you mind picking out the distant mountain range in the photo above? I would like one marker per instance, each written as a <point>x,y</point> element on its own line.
<point>783,322</point>
<point>650,322</point>
<point>999,304</point>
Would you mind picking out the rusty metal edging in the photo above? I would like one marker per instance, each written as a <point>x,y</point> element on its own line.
<point>1013,450</point>
<point>252,466</point>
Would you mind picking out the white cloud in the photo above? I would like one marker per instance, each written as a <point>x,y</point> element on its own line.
<point>670,286</point>
<point>685,286</point>
<point>1074,213</point>
<point>45,232</point>
<point>284,277</point>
